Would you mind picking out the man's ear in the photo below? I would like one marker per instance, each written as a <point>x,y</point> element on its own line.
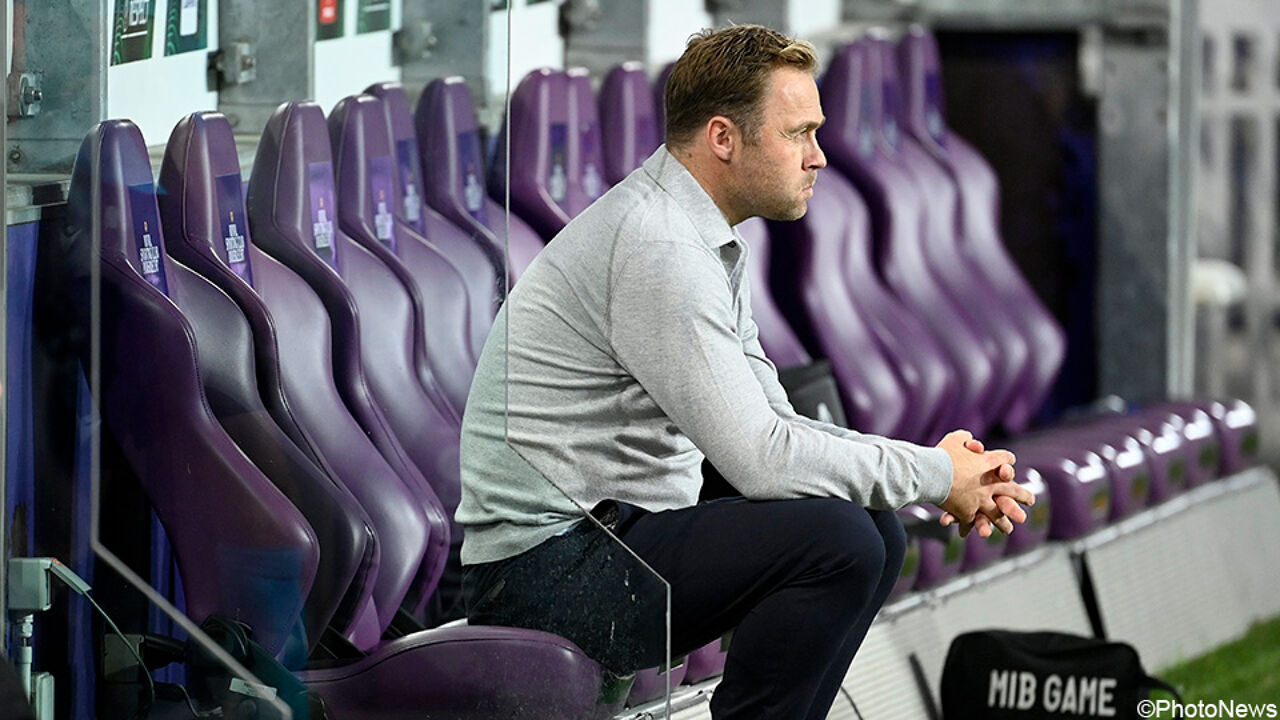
<point>723,137</point>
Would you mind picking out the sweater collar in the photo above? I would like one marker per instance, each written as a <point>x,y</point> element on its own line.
<point>673,177</point>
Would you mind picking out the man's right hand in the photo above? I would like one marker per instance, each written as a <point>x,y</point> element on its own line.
<point>983,493</point>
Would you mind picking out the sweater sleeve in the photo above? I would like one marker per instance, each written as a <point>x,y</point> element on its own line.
<point>673,326</point>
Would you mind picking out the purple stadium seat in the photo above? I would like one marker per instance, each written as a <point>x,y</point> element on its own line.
<point>707,661</point>
<point>962,279</point>
<point>924,122</point>
<point>630,126</point>
<point>430,240</point>
<point>371,314</point>
<point>553,133</point>
<point>1235,426</point>
<point>909,574</point>
<point>776,337</point>
<point>368,195</point>
<point>583,110</point>
<point>893,376</point>
<point>1198,431</point>
<point>202,212</point>
<point>453,165</point>
<point>939,561</point>
<point>651,684</point>
<point>1127,468</point>
<point>291,323</point>
<point>362,153</point>
<point>152,394</point>
<point>659,100</point>
<point>853,141</point>
<point>545,182</point>
<point>457,672</point>
<point>1077,481</point>
<point>1036,529</point>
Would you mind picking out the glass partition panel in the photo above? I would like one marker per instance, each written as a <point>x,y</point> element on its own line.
<point>244,398</point>
<point>555,497</point>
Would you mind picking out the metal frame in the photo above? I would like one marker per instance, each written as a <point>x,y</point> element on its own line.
<point>4,356</point>
<point>281,35</point>
<point>74,81</point>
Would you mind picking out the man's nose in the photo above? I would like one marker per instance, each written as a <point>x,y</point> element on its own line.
<point>817,159</point>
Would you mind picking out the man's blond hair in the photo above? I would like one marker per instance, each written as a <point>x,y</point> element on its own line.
<point>726,72</point>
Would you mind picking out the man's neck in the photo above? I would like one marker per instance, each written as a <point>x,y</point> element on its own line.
<point>709,171</point>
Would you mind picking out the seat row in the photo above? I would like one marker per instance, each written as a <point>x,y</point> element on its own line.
<point>311,344</point>
<point>284,370</point>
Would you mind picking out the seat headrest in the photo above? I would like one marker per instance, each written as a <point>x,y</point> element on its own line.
<point>449,142</point>
<point>291,190</point>
<point>201,192</point>
<point>628,120</point>
<point>852,102</point>
<point>366,184</point>
<point>404,145</point>
<point>583,111</point>
<point>921,77</point>
<point>112,168</point>
<point>884,64</point>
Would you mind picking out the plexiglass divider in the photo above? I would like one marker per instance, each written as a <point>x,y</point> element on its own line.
<point>213,549</point>
<point>612,604</point>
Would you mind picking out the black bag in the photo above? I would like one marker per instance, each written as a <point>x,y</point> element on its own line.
<point>1005,675</point>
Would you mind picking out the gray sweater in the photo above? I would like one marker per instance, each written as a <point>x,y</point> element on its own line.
<point>626,352</point>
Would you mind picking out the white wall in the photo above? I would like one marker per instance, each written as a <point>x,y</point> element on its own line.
<point>347,65</point>
<point>535,43</point>
<point>158,92</point>
<point>668,27</point>
<point>807,17</point>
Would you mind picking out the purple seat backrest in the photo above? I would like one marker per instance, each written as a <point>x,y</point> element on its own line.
<point>586,116</point>
<point>776,337</point>
<point>833,292</point>
<point>453,165</point>
<point>202,211</point>
<point>960,278</point>
<point>444,291</point>
<point>659,100</point>
<point>290,196</point>
<point>288,316</point>
<point>548,180</point>
<point>629,122</point>
<point>258,563</point>
<point>924,121</point>
<point>852,139</point>
<point>362,153</point>
<point>816,299</point>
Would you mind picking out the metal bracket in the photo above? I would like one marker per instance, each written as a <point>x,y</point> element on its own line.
<point>24,94</point>
<point>410,45</point>
<point>579,16</point>
<point>234,64</point>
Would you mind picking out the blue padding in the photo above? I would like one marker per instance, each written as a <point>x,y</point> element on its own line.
<point>20,443</point>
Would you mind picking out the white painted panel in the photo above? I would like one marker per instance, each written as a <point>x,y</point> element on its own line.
<point>348,64</point>
<point>811,17</point>
<point>669,25</point>
<point>158,92</point>
<point>536,43</point>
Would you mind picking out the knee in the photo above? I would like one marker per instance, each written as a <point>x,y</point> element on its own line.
<point>845,538</point>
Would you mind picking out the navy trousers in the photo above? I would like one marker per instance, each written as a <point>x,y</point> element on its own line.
<point>797,581</point>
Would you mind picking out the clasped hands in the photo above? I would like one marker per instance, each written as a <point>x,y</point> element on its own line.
<point>983,493</point>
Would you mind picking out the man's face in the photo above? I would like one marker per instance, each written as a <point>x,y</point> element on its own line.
<point>776,169</point>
